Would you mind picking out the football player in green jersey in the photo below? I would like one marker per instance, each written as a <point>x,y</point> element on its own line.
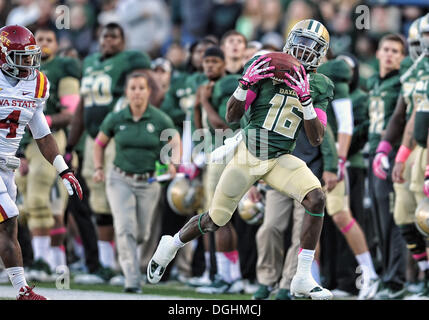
<point>210,107</point>
<point>102,85</point>
<point>291,102</point>
<point>410,170</point>
<point>37,178</point>
<point>405,200</point>
<point>385,87</point>
<point>340,120</point>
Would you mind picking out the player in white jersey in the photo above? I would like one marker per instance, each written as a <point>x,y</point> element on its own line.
<point>23,93</point>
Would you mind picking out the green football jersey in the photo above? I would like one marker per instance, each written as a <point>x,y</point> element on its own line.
<point>360,101</point>
<point>340,73</point>
<point>103,83</point>
<point>56,69</point>
<point>408,80</point>
<point>176,102</point>
<point>221,92</point>
<point>421,102</point>
<point>276,114</point>
<point>382,101</point>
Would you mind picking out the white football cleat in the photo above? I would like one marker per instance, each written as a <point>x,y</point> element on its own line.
<point>368,290</point>
<point>306,287</point>
<point>165,252</point>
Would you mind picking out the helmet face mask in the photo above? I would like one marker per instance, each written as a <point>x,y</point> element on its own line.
<point>20,56</point>
<point>413,39</point>
<point>307,45</point>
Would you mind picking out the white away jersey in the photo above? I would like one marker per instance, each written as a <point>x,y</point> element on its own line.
<point>20,105</point>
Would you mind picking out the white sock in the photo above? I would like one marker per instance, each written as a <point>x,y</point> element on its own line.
<point>315,271</point>
<point>57,258</point>
<point>207,260</point>
<point>222,264</point>
<point>79,249</point>
<point>17,278</point>
<point>365,261</point>
<point>305,260</point>
<point>234,265</point>
<point>423,265</point>
<point>177,241</point>
<point>41,246</point>
<point>106,254</point>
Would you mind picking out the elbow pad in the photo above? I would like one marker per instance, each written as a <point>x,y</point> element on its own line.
<point>344,114</point>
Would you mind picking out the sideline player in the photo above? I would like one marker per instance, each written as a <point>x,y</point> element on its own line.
<point>23,95</point>
<point>45,220</point>
<point>265,153</point>
<point>103,78</point>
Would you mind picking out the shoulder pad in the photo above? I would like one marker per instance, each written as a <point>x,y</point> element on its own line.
<point>336,70</point>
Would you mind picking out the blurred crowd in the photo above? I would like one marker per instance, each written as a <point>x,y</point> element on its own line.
<point>174,34</point>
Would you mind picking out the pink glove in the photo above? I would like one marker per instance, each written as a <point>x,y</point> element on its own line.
<point>380,164</point>
<point>301,85</point>
<point>254,73</point>
<point>426,183</point>
<point>190,170</point>
<point>341,168</point>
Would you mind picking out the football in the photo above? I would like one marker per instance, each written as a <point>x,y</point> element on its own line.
<point>283,62</point>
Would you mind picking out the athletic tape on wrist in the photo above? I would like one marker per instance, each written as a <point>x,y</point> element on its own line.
<point>60,164</point>
<point>240,94</point>
<point>308,110</point>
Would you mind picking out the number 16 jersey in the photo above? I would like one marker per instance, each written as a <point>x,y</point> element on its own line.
<point>276,115</point>
<point>21,105</point>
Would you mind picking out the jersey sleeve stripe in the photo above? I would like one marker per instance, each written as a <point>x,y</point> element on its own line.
<point>42,85</point>
<point>45,85</point>
<point>37,85</point>
<point>3,215</point>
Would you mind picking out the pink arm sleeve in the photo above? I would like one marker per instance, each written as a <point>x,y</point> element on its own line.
<point>70,101</point>
<point>250,97</point>
<point>321,115</point>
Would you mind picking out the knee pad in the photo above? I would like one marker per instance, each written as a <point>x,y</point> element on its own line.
<point>415,242</point>
<point>103,220</point>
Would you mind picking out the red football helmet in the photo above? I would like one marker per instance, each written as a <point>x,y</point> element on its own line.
<point>19,54</point>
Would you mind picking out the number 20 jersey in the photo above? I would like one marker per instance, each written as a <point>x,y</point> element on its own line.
<point>18,104</point>
<point>276,115</point>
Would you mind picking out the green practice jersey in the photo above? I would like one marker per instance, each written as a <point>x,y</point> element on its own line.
<point>103,84</point>
<point>340,73</point>
<point>421,102</point>
<point>275,116</point>
<point>56,70</point>
<point>383,95</point>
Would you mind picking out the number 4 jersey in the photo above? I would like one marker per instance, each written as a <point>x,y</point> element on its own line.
<point>276,115</point>
<point>22,105</point>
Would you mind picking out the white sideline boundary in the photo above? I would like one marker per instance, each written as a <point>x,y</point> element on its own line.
<point>8,292</point>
